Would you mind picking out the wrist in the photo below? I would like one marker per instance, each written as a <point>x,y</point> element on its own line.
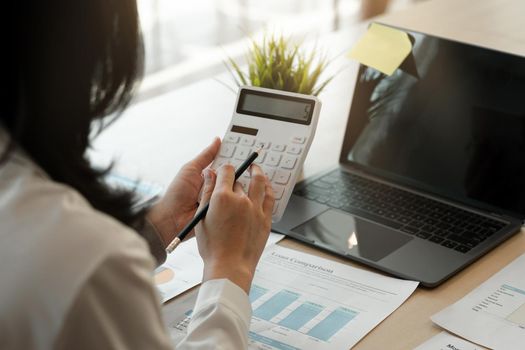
<point>154,240</point>
<point>163,225</point>
<point>238,273</point>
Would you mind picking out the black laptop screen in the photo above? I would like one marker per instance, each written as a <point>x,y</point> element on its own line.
<point>451,121</point>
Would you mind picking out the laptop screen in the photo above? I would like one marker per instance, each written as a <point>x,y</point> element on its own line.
<point>450,120</point>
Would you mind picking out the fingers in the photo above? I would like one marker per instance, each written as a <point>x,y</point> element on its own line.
<point>237,188</point>
<point>256,191</point>
<point>207,155</point>
<point>207,188</point>
<point>269,199</point>
<point>225,178</point>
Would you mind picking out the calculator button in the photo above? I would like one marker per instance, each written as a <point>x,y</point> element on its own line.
<point>269,173</point>
<point>263,144</point>
<point>299,139</point>
<point>247,141</point>
<point>260,158</point>
<point>227,150</point>
<point>278,191</point>
<point>289,162</point>
<point>242,153</point>
<point>273,159</point>
<point>282,177</point>
<point>278,148</point>
<point>294,149</point>
<point>231,138</point>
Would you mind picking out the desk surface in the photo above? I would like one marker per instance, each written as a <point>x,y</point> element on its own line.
<point>188,118</point>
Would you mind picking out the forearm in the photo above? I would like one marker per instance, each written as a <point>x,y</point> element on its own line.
<point>220,319</point>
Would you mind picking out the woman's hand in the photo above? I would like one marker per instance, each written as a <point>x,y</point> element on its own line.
<point>180,202</point>
<point>233,234</point>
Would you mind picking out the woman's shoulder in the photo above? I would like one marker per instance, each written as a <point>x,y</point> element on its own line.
<point>49,222</point>
<point>51,242</point>
<point>41,206</point>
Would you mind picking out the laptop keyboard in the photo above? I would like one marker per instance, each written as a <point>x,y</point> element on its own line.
<point>416,215</point>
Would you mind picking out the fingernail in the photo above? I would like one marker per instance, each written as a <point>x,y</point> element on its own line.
<point>207,174</point>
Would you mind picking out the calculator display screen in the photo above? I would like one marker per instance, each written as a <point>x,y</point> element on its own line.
<point>276,106</point>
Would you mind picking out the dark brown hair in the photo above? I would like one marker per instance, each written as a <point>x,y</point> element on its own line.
<point>73,63</point>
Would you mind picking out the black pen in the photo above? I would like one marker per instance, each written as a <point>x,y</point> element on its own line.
<point>202,213</point>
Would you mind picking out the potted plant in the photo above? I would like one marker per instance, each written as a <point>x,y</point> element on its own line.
<point>277,63</point>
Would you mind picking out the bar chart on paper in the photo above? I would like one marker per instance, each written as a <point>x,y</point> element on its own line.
<point>506,302</point>
<point>305,302</point>
<point>288,311</point>
<point>493,314</point>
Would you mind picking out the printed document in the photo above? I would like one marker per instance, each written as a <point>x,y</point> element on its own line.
<point>492,315</point>
<point>447,341</point>
<point>183,268</point>
<point>301,301</point>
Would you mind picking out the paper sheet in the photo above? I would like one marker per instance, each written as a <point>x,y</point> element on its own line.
<point>493,314</point>
<point>447,341</point>
<point>301,301</point>
<point>382,48</point>
<point>183,268</point>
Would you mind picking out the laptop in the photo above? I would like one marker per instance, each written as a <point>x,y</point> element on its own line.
<point>431,173</point>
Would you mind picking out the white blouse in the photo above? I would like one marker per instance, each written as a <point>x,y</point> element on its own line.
<point>74,278</point>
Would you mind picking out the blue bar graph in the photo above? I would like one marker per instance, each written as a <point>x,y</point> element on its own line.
<point>272,342</point>
<point>256,292</point>
<point>514,289</point>
<point>273,306</point>
<point>332,324</point>
<point>302,315</point>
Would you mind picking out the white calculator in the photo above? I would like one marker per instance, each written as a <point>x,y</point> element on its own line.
<point>282,124</point>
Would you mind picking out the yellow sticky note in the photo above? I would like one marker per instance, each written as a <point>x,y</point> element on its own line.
<point>382,48</point>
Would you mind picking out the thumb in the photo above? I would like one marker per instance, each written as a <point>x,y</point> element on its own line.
<point>207,155</point>
<point>207,188</point>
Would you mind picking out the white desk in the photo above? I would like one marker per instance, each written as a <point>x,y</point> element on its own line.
<point>157,136</point>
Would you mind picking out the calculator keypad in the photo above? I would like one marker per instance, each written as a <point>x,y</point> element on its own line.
<point>262,144</point>
<point>299,139</point>
<point>278,161</point>
<point>273,159</point>
<point>278,148</point>
<point>231,138</point>
<point>294,149</point>
<point>227,150</point>
<point>247,141</point>
<point>282,177</point>
<point>242,153</point>
<point>289,162</point>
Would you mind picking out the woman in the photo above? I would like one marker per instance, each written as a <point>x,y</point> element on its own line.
<point>74,272</point>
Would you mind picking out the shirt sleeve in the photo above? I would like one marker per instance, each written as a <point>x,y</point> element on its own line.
<point>118,308</point>
<point>221,318</point>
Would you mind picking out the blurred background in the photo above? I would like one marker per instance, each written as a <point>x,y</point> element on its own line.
<point>189,40</point>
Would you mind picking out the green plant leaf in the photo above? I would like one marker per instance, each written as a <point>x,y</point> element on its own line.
<point>277,63</point>
<point>240,74</point>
